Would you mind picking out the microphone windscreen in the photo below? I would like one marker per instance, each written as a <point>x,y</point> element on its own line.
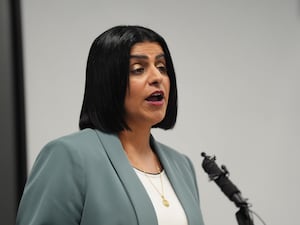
<point>217,175</point>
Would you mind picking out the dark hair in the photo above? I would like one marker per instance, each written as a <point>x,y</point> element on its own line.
<point>107,79</point>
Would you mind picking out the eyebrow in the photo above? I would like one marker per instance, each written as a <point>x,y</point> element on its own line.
<point>162,55</point>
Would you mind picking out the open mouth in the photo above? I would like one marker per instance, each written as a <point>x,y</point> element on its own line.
<point>156,96</point>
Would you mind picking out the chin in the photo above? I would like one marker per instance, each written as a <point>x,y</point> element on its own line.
<point>158,120</point>
<point>154,118</point>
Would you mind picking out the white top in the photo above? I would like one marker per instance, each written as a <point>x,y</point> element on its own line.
<point>174,213</point>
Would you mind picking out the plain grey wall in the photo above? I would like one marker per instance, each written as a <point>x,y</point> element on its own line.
<point>237,65</point>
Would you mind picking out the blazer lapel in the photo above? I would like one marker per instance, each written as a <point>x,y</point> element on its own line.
<point>173,173</point>
<point>137,194</point>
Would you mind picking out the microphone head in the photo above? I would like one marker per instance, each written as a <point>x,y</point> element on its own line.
<point>210,167</point>
<point>203,154</point>
<point>219,176</point>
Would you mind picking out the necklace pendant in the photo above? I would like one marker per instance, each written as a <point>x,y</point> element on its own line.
<point>165,201</point>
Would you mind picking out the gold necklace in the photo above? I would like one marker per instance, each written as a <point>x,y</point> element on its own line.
<point>165,202</point>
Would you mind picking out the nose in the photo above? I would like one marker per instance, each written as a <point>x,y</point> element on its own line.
<point>155,77</point>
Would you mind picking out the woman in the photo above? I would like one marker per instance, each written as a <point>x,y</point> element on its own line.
<point>113,171</point>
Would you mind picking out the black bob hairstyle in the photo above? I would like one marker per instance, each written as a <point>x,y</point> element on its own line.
<point>107,79</point>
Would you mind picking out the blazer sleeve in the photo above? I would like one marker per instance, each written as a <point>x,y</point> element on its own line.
<point>54,193</point>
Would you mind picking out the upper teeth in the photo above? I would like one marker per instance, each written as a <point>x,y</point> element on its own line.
<point>156,94</point>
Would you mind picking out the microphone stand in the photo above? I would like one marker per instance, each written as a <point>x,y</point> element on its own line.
<point>243,214</point>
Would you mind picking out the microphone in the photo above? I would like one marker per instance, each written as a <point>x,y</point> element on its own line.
<point>220,177</point>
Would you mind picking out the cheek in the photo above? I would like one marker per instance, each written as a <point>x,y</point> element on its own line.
<point>132,93</point>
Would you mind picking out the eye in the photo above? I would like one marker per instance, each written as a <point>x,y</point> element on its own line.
<point>137,69</point>
<point>162,68</point>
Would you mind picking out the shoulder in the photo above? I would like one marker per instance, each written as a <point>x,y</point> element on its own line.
<point>59,176</point>
<point>177,162</point>
<point>78,138</point>
<point>172,153</point>
<point>73,147</point>
<point>67,156</point>
<point>173,157</point>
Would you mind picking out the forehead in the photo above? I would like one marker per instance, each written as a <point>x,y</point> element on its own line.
<point>146,48</point>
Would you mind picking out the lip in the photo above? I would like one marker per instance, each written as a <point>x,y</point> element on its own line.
<point>157,103</point>
<point>157,92</point>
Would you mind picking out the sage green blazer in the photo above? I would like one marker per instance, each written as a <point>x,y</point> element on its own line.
<point>85,178</point>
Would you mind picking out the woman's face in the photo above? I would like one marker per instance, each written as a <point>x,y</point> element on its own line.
<point>149,85</point>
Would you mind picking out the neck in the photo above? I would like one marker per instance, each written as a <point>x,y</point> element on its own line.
<point>136,144</point>
<point>136,141</point>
